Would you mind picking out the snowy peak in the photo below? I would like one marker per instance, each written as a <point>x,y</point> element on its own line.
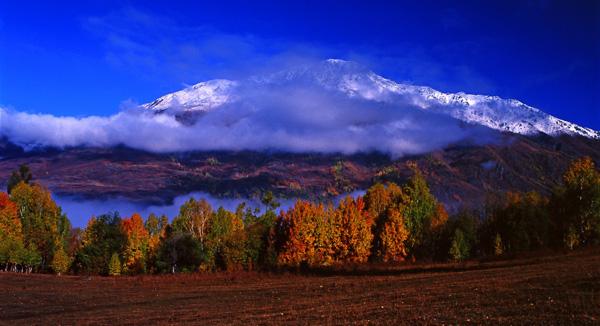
<point>327,74</point>
<point>203,97</point>
<point>356,81</point>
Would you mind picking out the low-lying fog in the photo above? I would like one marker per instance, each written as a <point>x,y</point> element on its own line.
<point>80,210</point>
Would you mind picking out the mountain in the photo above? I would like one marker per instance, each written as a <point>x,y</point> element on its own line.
<point>458,175</point>
<point>529,151</point>
<point>356,82</point>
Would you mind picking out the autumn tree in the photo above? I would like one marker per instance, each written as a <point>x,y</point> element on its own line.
<point>379,198</point>
<point>136,245</point>
<point>520,220</point>
<point>60,262</point>
<point>102,238</point>
<point>43,223</point>
<point>498,246</point>
<point>353,240</point>
<point>194,218</point>
<point>10,223</point>
<point>423,217</point>
<point>576,205</point>
<point>393,236</point>
<point>226,241</point>
<point>434,234</point>
<point>305,235</point>
<point>380,201</point>
<point>156,228</point>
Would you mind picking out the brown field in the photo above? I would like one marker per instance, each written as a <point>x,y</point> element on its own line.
<point>554,289</point>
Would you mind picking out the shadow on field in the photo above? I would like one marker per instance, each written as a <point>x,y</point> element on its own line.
<point>387,269</point>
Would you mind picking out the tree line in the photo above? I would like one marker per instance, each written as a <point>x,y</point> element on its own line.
<point>391,223</point>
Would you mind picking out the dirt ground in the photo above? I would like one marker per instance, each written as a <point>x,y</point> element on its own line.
<point>555,289</point>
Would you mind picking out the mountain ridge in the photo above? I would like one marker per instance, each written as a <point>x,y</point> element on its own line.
<point>356,81</point>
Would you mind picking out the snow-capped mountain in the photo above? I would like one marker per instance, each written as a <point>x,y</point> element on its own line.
<point>355,81</point>
<point>200,97</point>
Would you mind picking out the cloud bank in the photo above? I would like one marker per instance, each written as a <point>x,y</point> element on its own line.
<point>292,118</point>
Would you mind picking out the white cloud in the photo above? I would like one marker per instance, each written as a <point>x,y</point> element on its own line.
<point>296,118</point>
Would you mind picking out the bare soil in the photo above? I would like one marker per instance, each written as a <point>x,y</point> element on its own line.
<point>553,289</point>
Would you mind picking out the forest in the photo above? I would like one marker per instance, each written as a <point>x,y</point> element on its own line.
<point>391,224</point>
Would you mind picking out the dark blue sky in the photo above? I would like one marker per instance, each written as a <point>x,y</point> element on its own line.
<point>79,58</point>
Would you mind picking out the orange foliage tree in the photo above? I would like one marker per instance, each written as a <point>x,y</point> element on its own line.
<point>352,223</point>
<point>305,235</point>
<point>384,204</point>
<point>10,224</point>
<point>136,247</point>
<point>156,228</point>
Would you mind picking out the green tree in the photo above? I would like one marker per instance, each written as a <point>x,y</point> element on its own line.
<point>260,231</point>
<point>179,252</point>
<point>103,236</point>
<point>270,202</point>
<point>226,241</point>
<point>31,258</point>
<point>421,208</point>
<point>23,174</point>
<point>459,250</point>
<point>520,219</point>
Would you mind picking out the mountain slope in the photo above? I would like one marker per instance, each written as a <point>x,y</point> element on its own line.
<point>356,82</point>
<point>458,175</point>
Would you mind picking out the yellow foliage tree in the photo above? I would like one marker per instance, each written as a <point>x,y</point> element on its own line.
<point>353,243</point>
<point>60,261</point>
<point>393,237</point>
<point>136,248</point>
<point>40,218</point>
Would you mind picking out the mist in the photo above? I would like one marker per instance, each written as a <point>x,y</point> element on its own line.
<point>80,210</point>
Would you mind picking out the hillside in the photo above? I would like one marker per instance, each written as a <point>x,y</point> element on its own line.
<point>460,174</point>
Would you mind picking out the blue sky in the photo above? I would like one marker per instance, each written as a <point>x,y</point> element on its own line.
<point>80,58</point>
